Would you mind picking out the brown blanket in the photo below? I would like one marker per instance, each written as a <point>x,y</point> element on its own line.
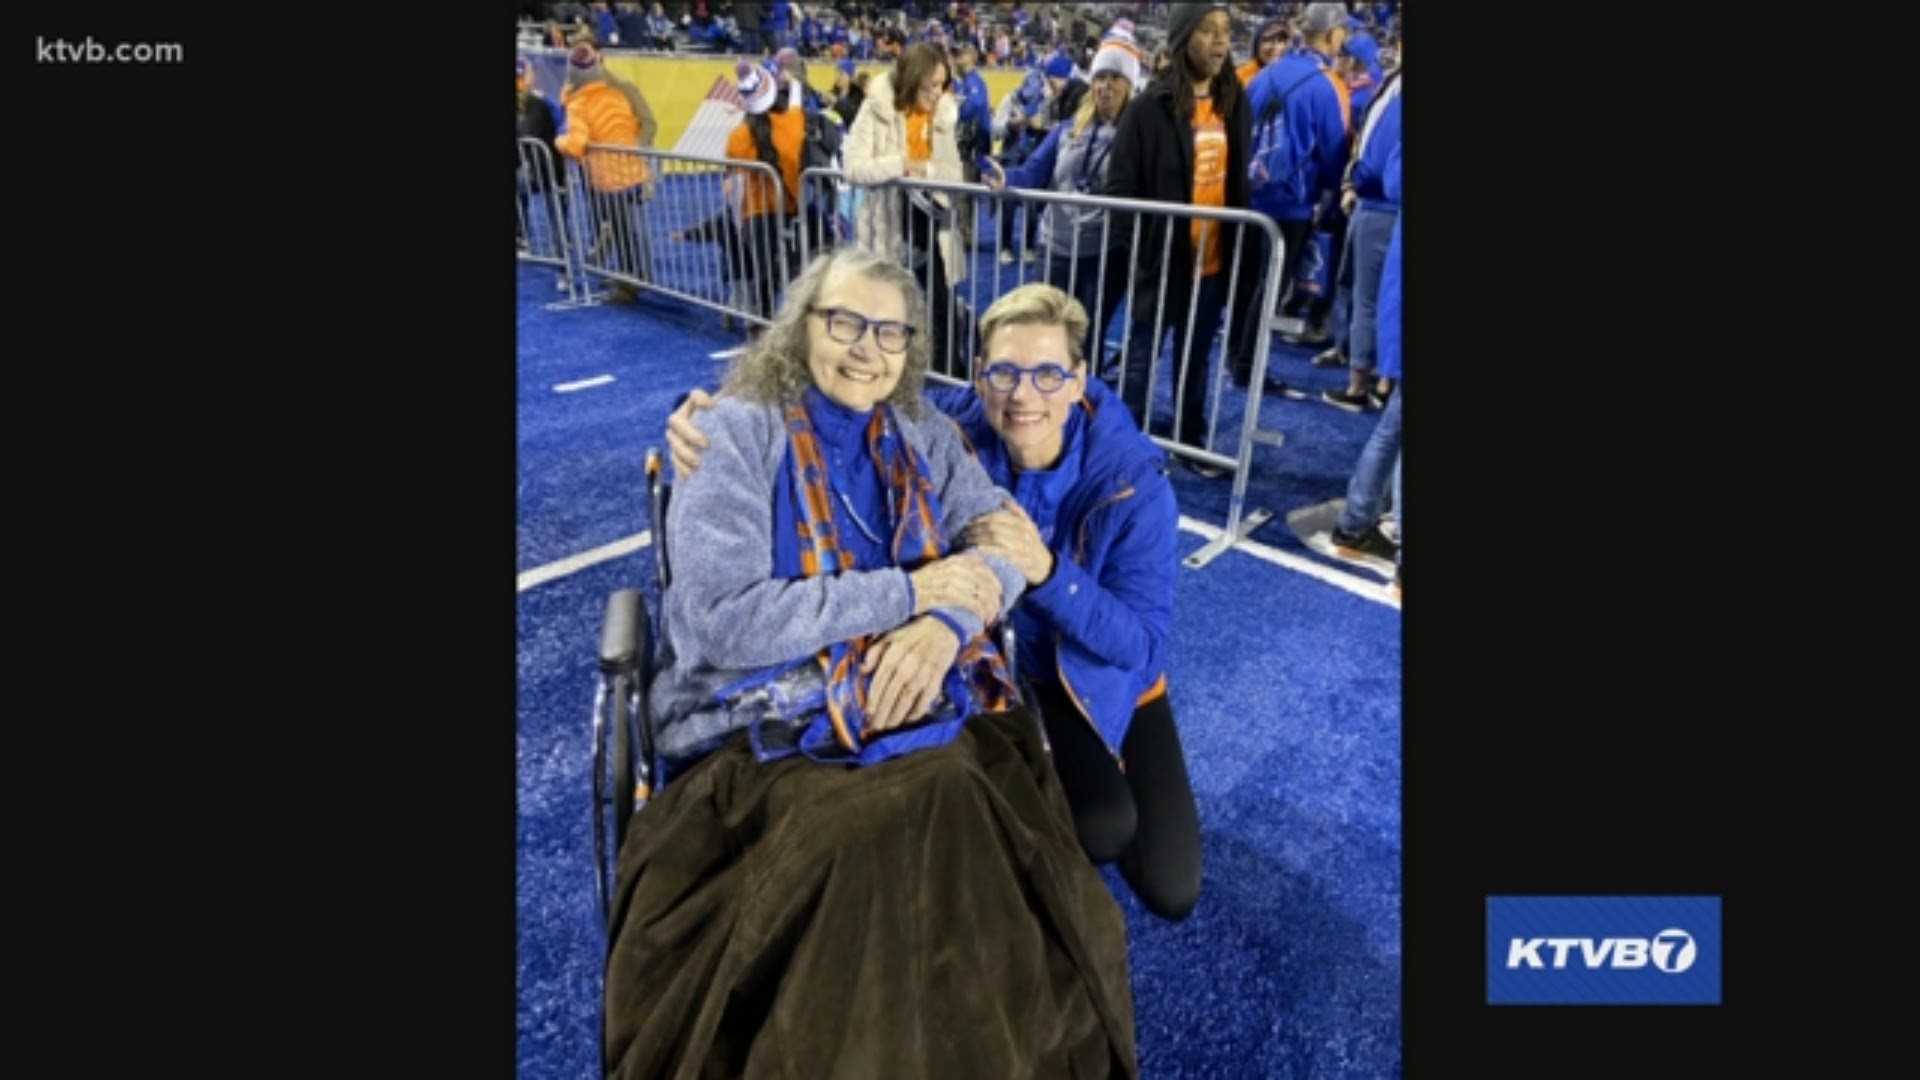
<point>932,916</point>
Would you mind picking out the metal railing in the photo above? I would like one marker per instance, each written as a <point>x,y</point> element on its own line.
<point>1109,267</point>
<point>683,226</point>
<point>712,232</point>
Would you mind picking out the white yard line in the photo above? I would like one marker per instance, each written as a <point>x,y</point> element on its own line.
<point>540,575</point>
<point>1365,588</point>
<point>583,384</point>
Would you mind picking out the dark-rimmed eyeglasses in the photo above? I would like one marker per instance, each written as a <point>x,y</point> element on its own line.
<point>847,328</point>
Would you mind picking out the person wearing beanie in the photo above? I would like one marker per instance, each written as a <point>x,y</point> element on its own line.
<point>790,73</point>
<point>847,94</point>
<point>907,129</point>
<point>1185,141</point>
<point>600,110</point>
<point>1123,54</point>
<point>1360,66</point>
<point>773,132</point>
<point>1300,105</point>
<point>1065,92</point>
<point>1269,42</point>
<point>1074,159</point>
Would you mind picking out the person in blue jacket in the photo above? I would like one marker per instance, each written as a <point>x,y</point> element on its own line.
<point>1300,120</point>
<point>1084,253</point>
<point>1094,533</point>
<point>1370,229</point>
<point>1357,532</point>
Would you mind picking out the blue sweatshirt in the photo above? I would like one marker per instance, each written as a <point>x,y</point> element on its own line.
<point>1308,113</point>
<point>977,107</point>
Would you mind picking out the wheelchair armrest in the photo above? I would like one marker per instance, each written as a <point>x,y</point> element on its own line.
<point>620,632</point>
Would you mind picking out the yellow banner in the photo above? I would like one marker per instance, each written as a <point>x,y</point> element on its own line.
<point>674,88</point>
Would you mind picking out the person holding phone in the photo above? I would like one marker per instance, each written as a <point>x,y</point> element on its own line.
<point>1086,252</point>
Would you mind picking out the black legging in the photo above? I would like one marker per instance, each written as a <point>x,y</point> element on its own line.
<point>1144,818</point>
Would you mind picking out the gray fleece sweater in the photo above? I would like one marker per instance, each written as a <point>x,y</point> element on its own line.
<point>727,614</point>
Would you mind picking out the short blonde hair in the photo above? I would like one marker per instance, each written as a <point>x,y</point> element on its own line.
<point>1040,303</point>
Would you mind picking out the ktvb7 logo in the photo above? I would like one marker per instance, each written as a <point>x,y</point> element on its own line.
<point>1672,951</point>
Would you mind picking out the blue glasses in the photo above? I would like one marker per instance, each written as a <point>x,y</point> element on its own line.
<point>1047,378</point>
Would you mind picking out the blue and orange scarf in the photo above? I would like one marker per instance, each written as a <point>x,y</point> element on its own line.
<point>978,679</point>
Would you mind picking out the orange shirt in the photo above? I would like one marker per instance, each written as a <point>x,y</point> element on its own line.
<point>919,135</point>
<point>1209,180</point>
<point>1245,72</point>
<point>789,135</point>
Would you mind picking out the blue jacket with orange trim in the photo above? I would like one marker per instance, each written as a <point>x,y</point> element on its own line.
<point>1107,611</point>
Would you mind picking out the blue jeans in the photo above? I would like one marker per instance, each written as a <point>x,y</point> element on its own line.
<point>1379,464</point>
<point>1367,239</point>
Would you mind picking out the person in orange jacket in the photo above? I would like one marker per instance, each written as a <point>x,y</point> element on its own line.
<point>607,111</point>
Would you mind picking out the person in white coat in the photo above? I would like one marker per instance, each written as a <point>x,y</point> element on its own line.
<point>906,129</point>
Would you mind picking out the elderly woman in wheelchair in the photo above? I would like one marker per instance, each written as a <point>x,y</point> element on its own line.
<point>863,863</point>
<point>1094,535</point>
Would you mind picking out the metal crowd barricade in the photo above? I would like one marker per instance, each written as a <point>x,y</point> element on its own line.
<point>1120,251</point>
<point>682,232</point>
<point>543,232</point>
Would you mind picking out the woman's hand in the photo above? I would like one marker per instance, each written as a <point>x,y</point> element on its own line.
<point>1013,536</point>
<point>684,441</point>
<point>957,581</point>
<point>907,668</point>
<point>992,175</point>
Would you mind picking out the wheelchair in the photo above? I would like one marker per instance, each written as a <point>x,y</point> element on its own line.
<point>626,770</point>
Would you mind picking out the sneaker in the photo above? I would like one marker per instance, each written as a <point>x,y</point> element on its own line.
<point>1367,545</point>
<point>1330,358</point>
<point>1340,399</point>
<point>1030,257</point>
<point>1276,388</point>
<point>1204,470</point>
<point>1006,257</point>
<point>1273,387</point>
<point>1311,335</point>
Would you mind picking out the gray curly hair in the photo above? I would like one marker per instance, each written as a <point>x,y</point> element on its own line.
<point>774,370</point>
